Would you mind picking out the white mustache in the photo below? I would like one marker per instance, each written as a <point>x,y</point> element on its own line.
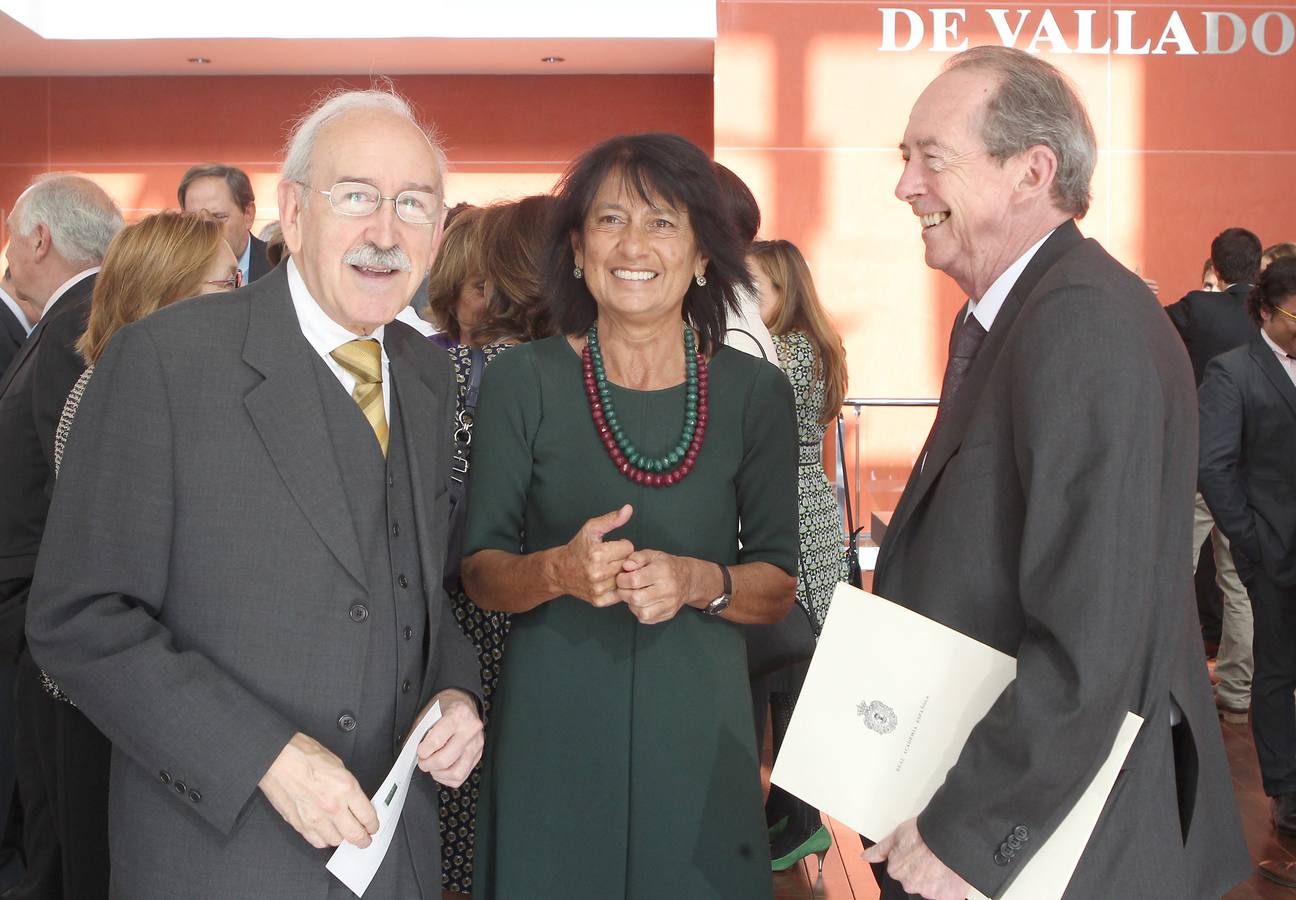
<point>373,257</point>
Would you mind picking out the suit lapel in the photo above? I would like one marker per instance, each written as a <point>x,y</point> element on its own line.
<point>20,358</point>
<point>944,440</point>
<point>419,409</point>
<point>1267,360</point>
<point>288,414</point>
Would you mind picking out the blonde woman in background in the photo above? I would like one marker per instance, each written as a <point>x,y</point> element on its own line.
<point>457,282</point>
<point>811,354</point>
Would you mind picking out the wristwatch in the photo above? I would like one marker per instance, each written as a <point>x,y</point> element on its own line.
<point>721,603</point>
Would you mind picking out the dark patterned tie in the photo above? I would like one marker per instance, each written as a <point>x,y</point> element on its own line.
<point>966,343</point>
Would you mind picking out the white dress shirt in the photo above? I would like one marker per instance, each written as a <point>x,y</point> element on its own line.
<point>63,288</point>
<point>987,308</point>
<point>745,331</point>
<point>325,335</point>
<point>1288,364</point>
<point>409,315</point>
<point>16,310</point>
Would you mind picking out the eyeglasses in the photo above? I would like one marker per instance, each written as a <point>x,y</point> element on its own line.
<point>228,284</point>
<point>1291,316</point>
<point>354,198</point>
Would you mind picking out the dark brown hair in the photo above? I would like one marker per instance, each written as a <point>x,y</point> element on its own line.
<point>659,168</point>
<point>513,239</point>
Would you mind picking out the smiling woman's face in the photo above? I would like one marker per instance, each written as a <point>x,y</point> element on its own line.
<point>638,257</point>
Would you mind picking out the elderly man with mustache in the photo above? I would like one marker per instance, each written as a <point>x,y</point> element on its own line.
<point>242,588</point>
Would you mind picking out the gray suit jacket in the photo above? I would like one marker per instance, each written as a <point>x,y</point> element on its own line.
<point>193,591</point>
<point>1050,521</point>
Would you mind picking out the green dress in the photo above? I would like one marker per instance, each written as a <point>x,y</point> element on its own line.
<point>619,756</point>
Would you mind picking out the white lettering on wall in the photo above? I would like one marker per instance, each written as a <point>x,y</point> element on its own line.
<point>889,30</point>
<point>1260,31</point>
<point>1213,20</point>
<point>1176,33</point>
<point>1048,30</point>
<point>945,24</point>
<point>1000,19</point>
<point>1272,32</point>
<point>1084,29</point>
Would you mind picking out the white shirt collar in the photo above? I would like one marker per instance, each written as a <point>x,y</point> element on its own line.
<point>245,260</point>
<point>1283,357</point>
<point>321,332</point>
<point>17,310</point>
<point>987,308</point>
<point>63,288</point>
<point>410,317</point>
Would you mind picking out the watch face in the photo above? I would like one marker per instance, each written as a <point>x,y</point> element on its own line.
<point>718,605</point>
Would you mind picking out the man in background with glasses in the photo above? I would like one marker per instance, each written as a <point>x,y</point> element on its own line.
<point>225,193</point>
<point>244,587</point>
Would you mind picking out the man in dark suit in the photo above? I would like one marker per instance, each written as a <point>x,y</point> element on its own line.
<point>1047,511</point>
<point>14,326</point>
<point>1211,323</point>
<point>241,581</point>
<point>1248,476</point>
<point>60,227</point>
<point>225,192</point>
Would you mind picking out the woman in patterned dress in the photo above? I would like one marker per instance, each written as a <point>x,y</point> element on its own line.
<point>507,254</point>
<point>811,353</point>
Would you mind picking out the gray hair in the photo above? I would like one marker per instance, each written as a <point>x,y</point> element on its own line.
<point>301,142</point>
<point>1036,104</point>
<point>79,214</point>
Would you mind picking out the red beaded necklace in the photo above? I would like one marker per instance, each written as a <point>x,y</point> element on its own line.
<point>650,471</point>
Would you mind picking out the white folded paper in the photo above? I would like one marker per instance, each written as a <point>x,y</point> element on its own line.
<point>355,867</point>
<point>888,703</point>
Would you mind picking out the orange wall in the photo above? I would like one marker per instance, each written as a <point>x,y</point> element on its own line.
<point>810,109</point>
<point>507,136</point>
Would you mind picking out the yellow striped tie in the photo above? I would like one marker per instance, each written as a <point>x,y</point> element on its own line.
<point>363,359</point>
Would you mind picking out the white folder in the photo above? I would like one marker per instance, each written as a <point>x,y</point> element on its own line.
<point>889,702</point>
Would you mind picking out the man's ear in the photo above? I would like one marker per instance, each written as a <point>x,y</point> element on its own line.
<point>42,241</point>
<point>249,213</point>
<point>290,209</point>
<point>1037,172</point>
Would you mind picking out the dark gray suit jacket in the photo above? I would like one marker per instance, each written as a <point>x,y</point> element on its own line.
<point>194,590</point>
<point>1050,521</point>
<point>32,394</point>
<point>1211,323</point>
<point>258,262</point>
<point>12,336</point>
<point>1247,469</point>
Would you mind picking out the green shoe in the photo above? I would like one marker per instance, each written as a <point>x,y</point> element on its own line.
<point>817,843</point>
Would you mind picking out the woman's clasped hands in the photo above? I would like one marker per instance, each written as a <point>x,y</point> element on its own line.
<point>652,584</point>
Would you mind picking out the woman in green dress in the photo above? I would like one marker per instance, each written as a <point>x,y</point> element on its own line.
<point>633,502</point>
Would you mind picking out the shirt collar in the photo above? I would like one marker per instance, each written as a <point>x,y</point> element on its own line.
<point>245,260</point>
<point>17,311</point>
<point>409,315</point>
<point>987,308</point>
<point>1283,355</point>
<point>63,288</point>
<point>321,332</point>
